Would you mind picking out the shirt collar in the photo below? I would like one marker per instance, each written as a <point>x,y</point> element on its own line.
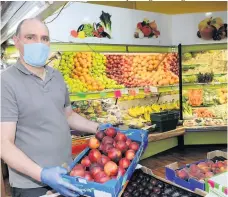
<point>23,69</point>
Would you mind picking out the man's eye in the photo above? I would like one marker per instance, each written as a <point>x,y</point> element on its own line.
<point>29,37</point>
<point>46,39</point>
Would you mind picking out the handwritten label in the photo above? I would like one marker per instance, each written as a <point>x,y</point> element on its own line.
<point>124,91</point>
<point>153,89</point>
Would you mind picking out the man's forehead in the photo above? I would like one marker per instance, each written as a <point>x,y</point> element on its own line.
<point>34,27</point>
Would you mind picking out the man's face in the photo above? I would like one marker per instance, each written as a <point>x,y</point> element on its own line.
<point>32,31</point>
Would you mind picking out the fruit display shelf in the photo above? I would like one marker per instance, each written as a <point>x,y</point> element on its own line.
<point>111,93</point>
<point>215,85</point>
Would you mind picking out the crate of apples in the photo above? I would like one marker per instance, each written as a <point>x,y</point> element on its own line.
<point>110,159</point>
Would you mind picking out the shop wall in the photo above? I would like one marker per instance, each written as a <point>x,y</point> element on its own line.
<point>124,23</point>
<point>185,28</point>
<point>173,29</point>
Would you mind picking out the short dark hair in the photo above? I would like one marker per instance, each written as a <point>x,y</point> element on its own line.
<point>18,30</point>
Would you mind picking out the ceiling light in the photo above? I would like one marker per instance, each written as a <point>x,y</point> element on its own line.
<point>29,14</point>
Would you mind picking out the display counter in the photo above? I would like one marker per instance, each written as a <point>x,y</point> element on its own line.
<point>159,142</point>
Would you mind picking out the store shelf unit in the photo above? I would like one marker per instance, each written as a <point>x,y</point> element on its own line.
<point>210,60</point>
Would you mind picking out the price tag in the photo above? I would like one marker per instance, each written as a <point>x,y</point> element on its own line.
<point>132,92</point>
<point>153,89</point>
<point>136,90</point>
<point>124,91</point>
<point>81,94</point>
<point>117,94</point>
<point>103,94</point>
<point>146,90</point>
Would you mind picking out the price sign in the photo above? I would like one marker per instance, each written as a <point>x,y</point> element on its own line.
<point>153,89</point>
<point>117,93</point>
<point>124,91</point>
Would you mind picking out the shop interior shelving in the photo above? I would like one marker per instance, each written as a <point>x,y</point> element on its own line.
<point>158,142</point>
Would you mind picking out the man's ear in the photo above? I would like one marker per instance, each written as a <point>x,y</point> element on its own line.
<point>16,41</point>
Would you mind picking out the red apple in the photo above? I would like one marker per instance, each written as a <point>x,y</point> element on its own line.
<point>114,154</point>
<point>122,146</point>
<point>86,162</point>
<point>124,163</point>
<point>78,170</point>
<point>107,140</point>
<point>111,168</point>
<point>111,132</point>
<point>120,137</point>
<point>106,148</point>
<point>128,142</point>
<point>121,171</point>
<point>103,160</point>
<point>130,154</point>
<point>100,135</point>
<point>101,177</point>
<point>94,143</point>
<point>94,155</point>
<point>95,168</point>
<point>88,176</point>
<point>134,146</point>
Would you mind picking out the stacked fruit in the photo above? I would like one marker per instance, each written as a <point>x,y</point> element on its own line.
<point>223,95</point>
<point>145,185</point>
<point>98,72</point>
<point>110,155</point>
<point>83,64</point>
<point>202,170</point>
<point>145,111</point>
<point>171,62</point>
<point>66,64</point>
<point>119,69</point>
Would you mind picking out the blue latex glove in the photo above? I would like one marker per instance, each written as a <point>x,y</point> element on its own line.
<point>104,126</point>
<point>52,177</point>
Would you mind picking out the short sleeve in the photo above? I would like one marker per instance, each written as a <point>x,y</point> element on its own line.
<point>67,98</point>
<point>9,107</point>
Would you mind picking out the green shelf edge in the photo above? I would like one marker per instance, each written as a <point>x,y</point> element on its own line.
<point>198,86</point>
<point>154,148</point>
<point>209,137</point>
<point>203,47</point>
<point>101,48</point>
<point>111,94</point>
<point>152,49</point>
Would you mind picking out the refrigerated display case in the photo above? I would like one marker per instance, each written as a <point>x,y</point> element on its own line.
<point>204,98</point>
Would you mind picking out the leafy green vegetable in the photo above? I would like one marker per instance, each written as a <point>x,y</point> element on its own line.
<point>106,20</point>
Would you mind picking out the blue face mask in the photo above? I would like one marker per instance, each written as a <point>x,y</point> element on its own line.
<point>36,54</point>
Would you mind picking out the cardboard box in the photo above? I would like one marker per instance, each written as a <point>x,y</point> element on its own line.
<point>113,187</point>
<point>217,185</point>
<point>191,184</point>
<point>149,171</point>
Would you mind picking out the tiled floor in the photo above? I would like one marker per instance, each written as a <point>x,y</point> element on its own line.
<point>158,162</point>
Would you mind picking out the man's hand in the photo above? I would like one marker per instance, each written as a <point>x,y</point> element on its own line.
<point>103,127</point>
<point>53,178</point>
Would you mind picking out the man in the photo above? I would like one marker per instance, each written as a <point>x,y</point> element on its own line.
<point>36,117</point>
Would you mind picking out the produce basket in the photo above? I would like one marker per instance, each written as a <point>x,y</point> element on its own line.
<point>112,187</point>
<point>165,121</point>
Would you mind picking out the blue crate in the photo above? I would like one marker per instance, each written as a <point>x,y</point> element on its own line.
<point>113,187</point>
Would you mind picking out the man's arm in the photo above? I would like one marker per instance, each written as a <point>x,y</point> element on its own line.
<point>13,156</point>
<point>79,123</point>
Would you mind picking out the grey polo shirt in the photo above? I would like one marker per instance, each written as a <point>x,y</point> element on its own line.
<point>37,106</point>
